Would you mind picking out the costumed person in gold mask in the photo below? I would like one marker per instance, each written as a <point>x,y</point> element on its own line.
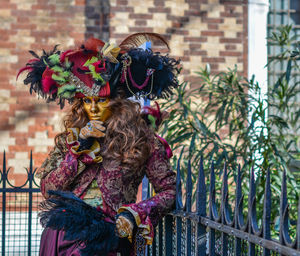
<point>91,177</point>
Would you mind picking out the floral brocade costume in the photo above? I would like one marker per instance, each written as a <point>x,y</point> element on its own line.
<point>113,187</point>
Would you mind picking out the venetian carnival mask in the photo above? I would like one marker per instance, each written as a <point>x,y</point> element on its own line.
<point>96,108</point>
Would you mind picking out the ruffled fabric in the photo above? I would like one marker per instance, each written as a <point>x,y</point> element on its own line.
<point>142,221</point>
<point>91,155</point>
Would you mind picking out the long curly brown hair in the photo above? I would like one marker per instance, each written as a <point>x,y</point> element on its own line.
<point>127,138</point>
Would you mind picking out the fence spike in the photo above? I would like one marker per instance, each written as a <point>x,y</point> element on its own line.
<point>283,207</point>
<point>189,188</point>
<point>224,203</point>
<point>266,221</point>
<point>238,212</point>
<point>284,218</point>
<point>298,228</point>
<point>251,205</point>
<point>201,191</point>
<point>179,204</point>
<point>213,212</point>
<point>224,210</point>
<point>3,199</point>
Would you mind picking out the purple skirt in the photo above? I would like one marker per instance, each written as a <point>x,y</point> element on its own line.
<point>53,244</point>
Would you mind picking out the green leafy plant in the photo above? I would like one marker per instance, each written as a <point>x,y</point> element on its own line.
<point>227,117</point>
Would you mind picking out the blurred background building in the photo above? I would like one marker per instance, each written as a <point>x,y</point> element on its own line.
<point>222,33</point>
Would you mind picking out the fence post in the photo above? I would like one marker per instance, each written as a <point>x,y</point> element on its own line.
<point>224,211</point>
<point>212,210</point>
<point>168,235</point>
<point>251,199</point>
<point>4,176</point>
<point>238,211</point>
<point>267,213</point>
<point>201,210</point>
<point>30,179</point>
<point>179,206</point>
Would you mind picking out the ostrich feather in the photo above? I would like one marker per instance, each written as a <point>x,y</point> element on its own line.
<point>137,39</point>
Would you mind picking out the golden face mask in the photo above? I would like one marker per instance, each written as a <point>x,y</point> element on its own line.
<point>96,108</point>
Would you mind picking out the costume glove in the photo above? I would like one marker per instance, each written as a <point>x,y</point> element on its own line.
<point>124,227</point>
<point>94,129</point>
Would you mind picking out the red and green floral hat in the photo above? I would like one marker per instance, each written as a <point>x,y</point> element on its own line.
<point>101,69</point>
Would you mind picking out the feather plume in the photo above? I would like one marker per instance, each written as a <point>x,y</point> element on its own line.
<point>137,39</point>
<point>80,221</point>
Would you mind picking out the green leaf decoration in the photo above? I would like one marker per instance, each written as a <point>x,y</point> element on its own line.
<point>68,64</point>
<point>58,79</point>
<point>90,61</point>
<point>65,74</point>
<point>54,59</point>
<point>95,75</point>
<point>152,119</point>
<point>67,91</point>
<point>57,69</point>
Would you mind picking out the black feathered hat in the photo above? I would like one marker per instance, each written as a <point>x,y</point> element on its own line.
<point>102,69</point>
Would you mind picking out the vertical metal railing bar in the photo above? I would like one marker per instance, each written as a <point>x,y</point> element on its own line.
<point>266,221</point>
<point>237,212</point>
<point>283,206</point>
<point>298,228</point>
<point>4,176</point>
<point>168,235</point>
<point>201,210</point>
<point>251,246</point>
<point>179,204</point>
<point>178,235</point>
<point>160,237</point>
<point>154,246</point>
<point>284,219</point>
<point>179,207</point>
<point>224,198</point>
<point>30,179</point>
<point>189,191</point>
<point>212,242</point>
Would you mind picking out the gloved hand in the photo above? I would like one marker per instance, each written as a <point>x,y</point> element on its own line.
<point>93,128</point>
<point>124,227</point>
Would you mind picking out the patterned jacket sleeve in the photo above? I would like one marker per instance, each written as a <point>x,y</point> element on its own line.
<point>64,163</point>
<point>147,213</point>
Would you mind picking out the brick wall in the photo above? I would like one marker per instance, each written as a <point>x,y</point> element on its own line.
<point>199,32</point>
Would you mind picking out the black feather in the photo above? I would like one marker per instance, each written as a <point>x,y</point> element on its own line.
<point>164,76</point>
<point>80,221</point>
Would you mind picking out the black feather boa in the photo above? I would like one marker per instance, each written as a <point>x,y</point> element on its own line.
<point>80,221</point>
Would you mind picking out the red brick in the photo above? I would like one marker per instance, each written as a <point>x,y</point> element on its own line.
<point>212,33</point>
<point>213,59</point>
<point>26,13</point>
<point>140,22</point>
<point>195,53</point>
<point>80,2</point>
<point>195,39</point>
<point>230,47</point>
<point>212,26</point>
<point>159,9</point>
<point>212,20</point>
<point>230,40</point>
<point>140,16</point>
<point>159,3</point>
<point>9,45</point>
<point>230,53</point>
<point>140,29</point>
<point>122,2</point>
<point>7,5</point>
<point>122,9</point>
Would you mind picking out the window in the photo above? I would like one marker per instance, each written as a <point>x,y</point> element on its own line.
<point>283,12</point>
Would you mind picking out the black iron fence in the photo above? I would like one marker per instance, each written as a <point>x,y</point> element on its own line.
<point>20,230</point>
<point>186,231</point>
<point>224,231</point>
